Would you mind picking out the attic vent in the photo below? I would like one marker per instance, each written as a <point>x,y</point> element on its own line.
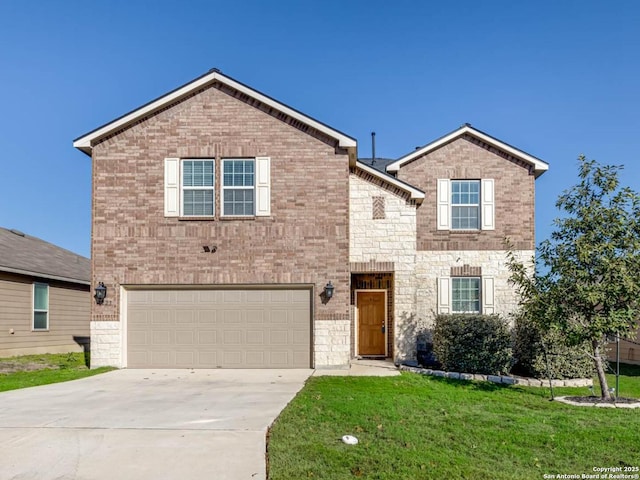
<point>17,232</point>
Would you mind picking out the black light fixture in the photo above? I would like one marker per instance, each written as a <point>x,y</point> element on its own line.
<point>101,293</point>
<point>328,290</point>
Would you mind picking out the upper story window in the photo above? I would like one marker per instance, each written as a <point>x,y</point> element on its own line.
<point>465,204</point>
<point>40,306</point>
<point>190,187</point>
<point>198,188</point>
<point>238,177</point>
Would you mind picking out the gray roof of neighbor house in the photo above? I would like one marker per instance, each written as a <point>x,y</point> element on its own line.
<point>27,255</point>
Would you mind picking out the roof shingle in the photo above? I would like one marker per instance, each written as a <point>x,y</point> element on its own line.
<point>20,253</point>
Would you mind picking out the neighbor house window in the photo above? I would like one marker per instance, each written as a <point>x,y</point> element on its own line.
<point>465,204</point>
<point>198,188</point>
<point>40,306</point>
<point>465,295</point>
<point>238,187</point>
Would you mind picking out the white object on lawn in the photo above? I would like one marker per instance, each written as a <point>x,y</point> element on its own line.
<point>350,440</point>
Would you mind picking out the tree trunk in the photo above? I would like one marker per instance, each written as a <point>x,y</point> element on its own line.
<point>602,378</point>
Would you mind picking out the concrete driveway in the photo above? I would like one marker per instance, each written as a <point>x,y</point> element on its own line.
<point>145,424</point>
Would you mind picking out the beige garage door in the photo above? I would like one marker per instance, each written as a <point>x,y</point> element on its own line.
<point>219,328</point>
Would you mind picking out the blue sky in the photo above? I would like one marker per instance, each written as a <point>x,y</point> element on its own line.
<point>555,79</point>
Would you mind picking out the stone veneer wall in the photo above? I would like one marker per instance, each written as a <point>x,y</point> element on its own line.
<point>432,265</point>
<point>331,344</point>
<point>106,344</point>
<point>390,239</point>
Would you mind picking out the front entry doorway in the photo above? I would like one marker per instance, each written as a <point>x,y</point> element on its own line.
<point>372,322</point>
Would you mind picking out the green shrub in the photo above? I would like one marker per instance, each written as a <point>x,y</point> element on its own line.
<point>472,343</point>
<point>529,345</point>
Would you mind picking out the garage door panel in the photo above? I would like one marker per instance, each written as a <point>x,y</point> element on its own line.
<point>254,296</point>
<point>185,317</point>
<point>185,358</point>
<point>185,297</point>
<point>231,296</point>
<point>161,358</point>
<point>207,337</point>
<point>159,317</point>
<point>279,337</point>
<point>232,316</point>
<point>255,337</point>
<point>206,359</point>
<point>185,338</point>
<point>250,328</point>
<point>232,337</point>
<point>161,337</point>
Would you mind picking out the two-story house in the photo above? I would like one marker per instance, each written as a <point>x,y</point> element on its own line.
<point>233,231</point>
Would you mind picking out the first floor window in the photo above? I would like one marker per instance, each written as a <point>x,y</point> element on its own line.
<point>465,295</point>
<point>465,204</point>
<point>197,188</point>
<point>40,306</point>
<point>238,187</point>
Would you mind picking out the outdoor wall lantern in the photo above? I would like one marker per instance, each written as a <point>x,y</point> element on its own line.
<point>328,290</point>
<point>101,293</point>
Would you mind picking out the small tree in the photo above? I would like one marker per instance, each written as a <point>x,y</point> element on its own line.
<point>587,283</point>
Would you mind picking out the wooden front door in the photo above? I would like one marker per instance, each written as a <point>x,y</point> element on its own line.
<point>371,323</point>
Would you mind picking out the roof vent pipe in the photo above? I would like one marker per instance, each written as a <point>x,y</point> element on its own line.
<point>373,148</point>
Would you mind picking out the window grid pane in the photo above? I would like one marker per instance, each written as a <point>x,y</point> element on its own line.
<point>465,204</point>
<point>465,295</point>
<point>238,177</point>
<point>40,320</point>
<point>40,297</point>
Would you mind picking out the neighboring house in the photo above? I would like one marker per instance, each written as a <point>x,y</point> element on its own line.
<point>45,298</point>
<point>233,231</point>
<point>629,350</point>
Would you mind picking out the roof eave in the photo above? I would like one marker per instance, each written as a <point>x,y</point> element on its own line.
<point>85,142</point>
<point>415,194</point>
<point>44,275</point>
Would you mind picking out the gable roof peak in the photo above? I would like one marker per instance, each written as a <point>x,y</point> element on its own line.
<point>85,142</point>
<point>539,166</point>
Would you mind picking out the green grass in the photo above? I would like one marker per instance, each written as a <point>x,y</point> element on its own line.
<point>32,370</point>
<point>415,427</point>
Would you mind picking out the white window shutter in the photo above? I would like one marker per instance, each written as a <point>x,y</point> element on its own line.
<point>171,187</point>
<point>488,301</point>
<point>488,204</point>
<point>444,210</point>
<point>263,186</point>
<point>444,295</point>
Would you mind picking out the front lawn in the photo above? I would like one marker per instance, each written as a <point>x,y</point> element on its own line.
<point>416,427</point>
<point>31,370</point>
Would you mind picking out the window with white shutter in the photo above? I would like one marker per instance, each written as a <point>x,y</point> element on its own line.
<point>465,204</point>
<point>189,187</point>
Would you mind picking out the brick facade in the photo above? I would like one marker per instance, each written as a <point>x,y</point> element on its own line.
<point>469,158</point>
<point>304,241</point>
